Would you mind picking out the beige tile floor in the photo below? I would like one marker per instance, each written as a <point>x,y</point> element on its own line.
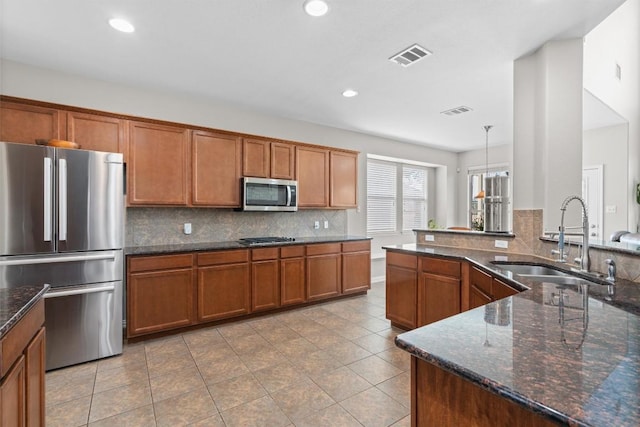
<point>332,364</point>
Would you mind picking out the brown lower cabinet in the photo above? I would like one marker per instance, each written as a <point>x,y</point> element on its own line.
<point>356,266</point>
<point>424,289</point>
<point>22,368</point>
<point>323,271</point>
<point>292,275</point>
<point>265,279</point>
<point>167,292</point>
<point>224,286</point>
<point>159,293</point>
<point>402,289</point>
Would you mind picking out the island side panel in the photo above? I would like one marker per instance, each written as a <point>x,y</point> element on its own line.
<point>440,398</point>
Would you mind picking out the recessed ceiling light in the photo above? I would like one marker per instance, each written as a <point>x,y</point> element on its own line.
<point>316,7</point>
<point>122,25</point>
<point>349,93</point>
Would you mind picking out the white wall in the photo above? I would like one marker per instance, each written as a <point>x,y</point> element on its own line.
<point>607,146</point>
<point>617,41</point>
<point>548,130</point>
<point>24,81</point>
<point>474,159</point>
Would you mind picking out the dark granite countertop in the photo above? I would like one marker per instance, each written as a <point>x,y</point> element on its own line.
<point>16,302</point>
<point>217,246</point>
<point>577,363</point>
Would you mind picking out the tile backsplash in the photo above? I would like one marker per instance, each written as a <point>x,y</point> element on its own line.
<point>159,226</point>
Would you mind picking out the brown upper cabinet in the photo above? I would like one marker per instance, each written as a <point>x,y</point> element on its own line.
<point>344,179</point>
<point>312,171</point>
<point>25,123</point>
<point>159,164</point>
<point>95,132</point>
<point>216,169</point>
<point>267,159</point>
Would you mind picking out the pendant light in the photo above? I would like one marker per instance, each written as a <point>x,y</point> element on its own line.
<point>480,194</point>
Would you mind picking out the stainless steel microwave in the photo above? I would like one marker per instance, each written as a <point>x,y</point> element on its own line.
<point>263,194</point>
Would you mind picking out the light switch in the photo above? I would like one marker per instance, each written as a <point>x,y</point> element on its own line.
<point>187,228</point>
<point>326,224</point>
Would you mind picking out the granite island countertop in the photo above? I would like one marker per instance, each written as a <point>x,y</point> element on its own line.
<point>234,244</point>
<point>16,302</point>
<point>576,363</point>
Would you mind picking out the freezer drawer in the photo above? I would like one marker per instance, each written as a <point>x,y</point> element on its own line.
<point>83,323</point>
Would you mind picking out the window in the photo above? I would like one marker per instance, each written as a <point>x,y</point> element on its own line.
<point>414,197</point>
<point>477,186</point>
<point>392,186</point>
<point>381,196</point>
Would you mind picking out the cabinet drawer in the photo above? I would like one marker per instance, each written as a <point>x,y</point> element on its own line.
<point>364,245</point>
<point>292,251</point>
<point>442,267</point>
<point>264,253</point>
<point>324,248</point>
<point>16,340</point>
<point>160,262</point>
<point>223,257</point>
<point>402,260</point>
<point>481,280</point>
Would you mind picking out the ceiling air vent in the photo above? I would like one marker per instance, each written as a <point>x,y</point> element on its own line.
<point>410,55</point>
<point>456,111</point>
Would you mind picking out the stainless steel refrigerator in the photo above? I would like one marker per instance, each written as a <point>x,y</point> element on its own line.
<point>62,223</point>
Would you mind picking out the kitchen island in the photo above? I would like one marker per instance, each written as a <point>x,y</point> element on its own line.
<point>552,354</point>
<point>22,355</point>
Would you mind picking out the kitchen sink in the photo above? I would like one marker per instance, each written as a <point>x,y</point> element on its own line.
<point>545,273</point>
<point>527,270</point>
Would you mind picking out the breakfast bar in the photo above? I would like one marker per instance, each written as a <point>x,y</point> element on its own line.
<point>554,354</point>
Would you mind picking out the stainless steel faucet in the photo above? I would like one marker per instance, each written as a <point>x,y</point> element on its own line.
<point>585,261</point>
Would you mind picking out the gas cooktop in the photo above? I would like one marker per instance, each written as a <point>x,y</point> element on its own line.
<point>257,241</point>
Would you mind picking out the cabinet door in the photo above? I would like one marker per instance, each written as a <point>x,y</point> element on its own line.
<point>94,132</point>
<point>158,164</point>
<point>35,374</point>
<point>265,285</point>
<point>438,298</point>
<point>356,271</point>
<point>401,296</point>
<point>502,290</point>
<point>292,283</point>
<point>256,158</point>
<point>217,169</point>
<point>312,171</point>
<point>25,123</point>
<point>344,180</point>
<point>223,291</point>
<point>323,276</point>
<point>282,161</point>
<point>477,297</point>
<point>12,396</point>
<point>159,301</point>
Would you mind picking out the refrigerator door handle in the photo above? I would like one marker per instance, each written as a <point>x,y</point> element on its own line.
<point>51,260</point>
<point>52,293</point>
<point>47,199</point>
<point>62,199</point>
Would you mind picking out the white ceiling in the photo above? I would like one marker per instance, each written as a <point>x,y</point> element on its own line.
<point>269,56</point>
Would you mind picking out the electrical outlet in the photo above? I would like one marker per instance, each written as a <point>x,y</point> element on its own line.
<point>502,244</point>
<point>316,225</point>
<point>611,209</point>
<point>187,228</point>
<point>429,238</point>
<point>326,224</point>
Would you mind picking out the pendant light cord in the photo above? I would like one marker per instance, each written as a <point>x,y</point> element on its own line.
<point>486,153</point>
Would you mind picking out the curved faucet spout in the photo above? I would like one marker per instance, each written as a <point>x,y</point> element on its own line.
<point>585,260</point>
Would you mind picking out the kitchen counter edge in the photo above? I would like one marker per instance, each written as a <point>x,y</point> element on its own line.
<point>16,302</point>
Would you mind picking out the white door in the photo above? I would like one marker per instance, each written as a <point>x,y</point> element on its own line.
<point>593,196</point>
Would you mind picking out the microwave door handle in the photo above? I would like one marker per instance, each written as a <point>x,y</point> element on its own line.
<point>288,195</point>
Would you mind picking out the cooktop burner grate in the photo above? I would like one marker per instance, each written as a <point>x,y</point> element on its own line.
<point>255,241</point>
